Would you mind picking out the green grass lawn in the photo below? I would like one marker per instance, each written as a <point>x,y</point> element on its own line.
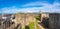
<point>31,25</point>
<point>37,17</point>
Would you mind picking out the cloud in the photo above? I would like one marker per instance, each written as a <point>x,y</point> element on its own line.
<point>35,4</point>
<point>32,7</point>
<point>16,10</point>
<point>46,7</point>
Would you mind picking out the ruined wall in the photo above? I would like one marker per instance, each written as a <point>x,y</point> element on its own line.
<point>25,18</point>
<point>44,20</point>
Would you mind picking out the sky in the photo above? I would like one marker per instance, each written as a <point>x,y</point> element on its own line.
<point>15,6</point>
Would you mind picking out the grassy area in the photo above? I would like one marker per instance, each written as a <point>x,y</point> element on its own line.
<point>37,27</point>
<point>31,25</point>
<point>23,27</point>
<point>36,17</point>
